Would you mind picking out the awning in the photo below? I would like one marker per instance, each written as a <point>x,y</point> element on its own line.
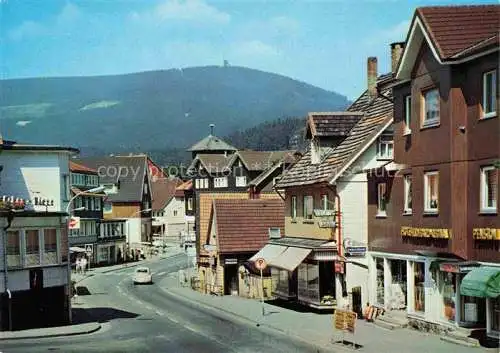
<point>76,249</point>
<point>290,258</point>
<point>268,252</point>
<point>483,282</point>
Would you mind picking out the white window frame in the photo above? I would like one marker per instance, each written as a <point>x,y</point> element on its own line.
<point>293,207</point>
<point>435,121</point>
<point>385,146</point>
<point>427,202</point>
<point>493,97</point>
<point>408,194</point>
<point>220,182</point>
<point>484,190</point>
<point>407,115</point>
<point>324,201</point>
<point>381,196</point>
<point>241,181</point>
<point>310,215</point>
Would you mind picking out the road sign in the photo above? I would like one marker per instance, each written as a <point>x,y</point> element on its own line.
<point>260,264</point>
<point>74,223</point>
<point>89,248</point>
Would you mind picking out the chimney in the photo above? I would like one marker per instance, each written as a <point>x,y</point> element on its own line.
<point>396,52</point>
<point>372,77</point>
<point>212,129</point>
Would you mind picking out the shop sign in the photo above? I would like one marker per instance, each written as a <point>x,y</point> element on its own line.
<point>449,268</point>
<point>435,233</point>
<point>355,250</point>
<point>323,213</point>
<point>327,223</point>
<point>74,223</point>
<point>486,234</point>
<point>231,261</point>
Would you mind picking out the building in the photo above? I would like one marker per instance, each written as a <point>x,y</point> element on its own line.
<point>35,189</point>
<point>321,261</point>
<point>433,220</point>
<point>88,207</point>
<point>188,234</point>
<point>127,207</point>
<point>237,230</point>
<point>168,211</point>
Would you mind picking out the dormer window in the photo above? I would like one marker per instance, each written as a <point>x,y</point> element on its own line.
<point>315,152</point>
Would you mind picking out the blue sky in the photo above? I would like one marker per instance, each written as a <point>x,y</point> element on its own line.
<point>321,42</point>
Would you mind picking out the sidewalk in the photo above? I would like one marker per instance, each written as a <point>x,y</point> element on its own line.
<point>318,328</point>
<point>51,331</point>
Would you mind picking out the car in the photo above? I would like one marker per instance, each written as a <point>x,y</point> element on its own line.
<point>143,275</point>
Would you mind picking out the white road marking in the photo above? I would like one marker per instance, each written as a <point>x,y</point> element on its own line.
<point>174,320</point>
<point>159,313</point>
<point>192,329</point>
<point>148,307</point>
<point>161,273</point>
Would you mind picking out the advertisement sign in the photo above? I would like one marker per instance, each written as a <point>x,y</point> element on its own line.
<point>74,222</point>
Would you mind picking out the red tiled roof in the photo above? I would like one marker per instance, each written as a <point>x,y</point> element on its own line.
<point>455,29</point>
<point>162,190</point>
<point>243,225</point>
<point>75,167</point>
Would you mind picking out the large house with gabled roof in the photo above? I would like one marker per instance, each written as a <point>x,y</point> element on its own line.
<point>321,259</point>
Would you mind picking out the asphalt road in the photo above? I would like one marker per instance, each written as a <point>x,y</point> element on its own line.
<point>146,319</point>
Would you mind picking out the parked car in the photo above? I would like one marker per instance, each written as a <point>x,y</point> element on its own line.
<point>143,275</point>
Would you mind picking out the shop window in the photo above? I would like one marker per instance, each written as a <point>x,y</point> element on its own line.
<point>379,264</point>
<point>495,319</point>
<point>13,248</point>
<point>50,246</point>
<point>32,247</point>
<point>489,105</point>
<point>419,286</point>
<point>399,298</point>
<point>489,189</point>
<point>448,292</point>
<point>431,190</point>
<point>431,107</point>
<point>308,207</point>
<point>473,310</point>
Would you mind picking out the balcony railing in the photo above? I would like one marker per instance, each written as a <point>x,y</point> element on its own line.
<point>13,261</point>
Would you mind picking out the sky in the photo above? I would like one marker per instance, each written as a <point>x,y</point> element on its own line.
<point>321,42</point>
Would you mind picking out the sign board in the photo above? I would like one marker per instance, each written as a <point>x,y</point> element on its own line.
<point>355,250</point>
<point>210,247</point>
<point>231,261</point>
<point>260,264</point>
<point>339,267</point>
<point>74,223</point>
<point>344,320</point>
<point>89,248</point>
<point>327,223</point>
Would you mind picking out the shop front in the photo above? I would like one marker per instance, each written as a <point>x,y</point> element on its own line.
<point>302,270</point>
<point>483,285</point>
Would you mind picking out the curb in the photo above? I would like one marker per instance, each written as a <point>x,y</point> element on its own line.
<point>320,347</point>
<point>96,327</point>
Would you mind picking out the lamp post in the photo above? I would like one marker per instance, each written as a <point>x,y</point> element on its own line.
<point>93,190</point>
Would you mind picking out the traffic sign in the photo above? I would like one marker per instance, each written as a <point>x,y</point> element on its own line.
<point>260,264</point>
<point>74,223</point>
<point>89,248</point>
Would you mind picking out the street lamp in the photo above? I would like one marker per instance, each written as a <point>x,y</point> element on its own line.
<point>90,191</point>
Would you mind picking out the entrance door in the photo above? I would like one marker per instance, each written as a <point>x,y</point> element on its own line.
<point>231,279</point>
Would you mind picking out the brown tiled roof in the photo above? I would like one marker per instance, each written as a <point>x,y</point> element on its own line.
<point>213,163</point>
<point>243,225</point>
<point>378,114</point>
<point>456,30</point>
<point>182,188</point>
<point>262,160</point>
<point>332,123</point>
<point>80,168</point>
<point>162,191</point>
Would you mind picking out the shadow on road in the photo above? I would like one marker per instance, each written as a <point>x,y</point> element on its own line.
<point>81,315</point>
<point>296,307</point>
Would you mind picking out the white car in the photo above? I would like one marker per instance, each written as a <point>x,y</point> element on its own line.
<point>143,275</point>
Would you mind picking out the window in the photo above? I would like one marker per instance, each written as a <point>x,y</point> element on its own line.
<point>431,107</point>
<point>220,182</point>
<point>201,183</point>
<point>294,207</point>
<point>50,246</point>
<point>408,200</point>
<point>431,190</point>
<point>97,202</point>
<point>308,207</point>
<point>381,197</point>
<point>489,94</point>
<point>175,213</point>
<point>13,248</point>
<point>108,207</point>
<point>419,286</point>
<point>32,247</point>
<point>324,202</point>
<point>385,146</point>
<point>407,114</point>
<point>489,189</point>
<point>241,181</point>
<point>190,204</point>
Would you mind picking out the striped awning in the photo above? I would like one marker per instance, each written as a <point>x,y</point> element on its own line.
<point>290,258</point>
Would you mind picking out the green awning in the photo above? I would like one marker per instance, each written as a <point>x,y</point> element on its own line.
<point>483,282</point>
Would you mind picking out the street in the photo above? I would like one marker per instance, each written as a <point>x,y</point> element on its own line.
<point>144,318</point>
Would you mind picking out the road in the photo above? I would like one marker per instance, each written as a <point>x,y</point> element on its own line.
<point>147,319</point>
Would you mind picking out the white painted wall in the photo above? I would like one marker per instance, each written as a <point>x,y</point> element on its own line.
<point>134,230</point>
<point>28,175</point>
